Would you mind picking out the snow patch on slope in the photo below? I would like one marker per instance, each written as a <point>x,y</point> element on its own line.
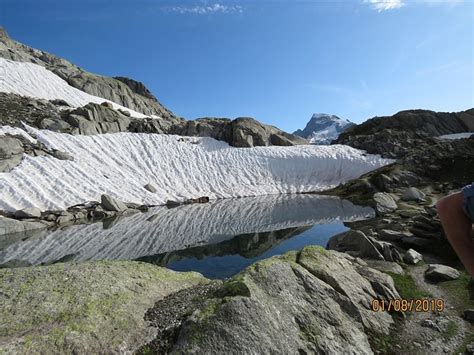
<point>457,135</point>
<point>120,164</point>
<point>33,80</point>
<point>4,130</point>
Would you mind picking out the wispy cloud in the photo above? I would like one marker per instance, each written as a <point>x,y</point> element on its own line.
<point>383,5</point>
<point>206,9</point>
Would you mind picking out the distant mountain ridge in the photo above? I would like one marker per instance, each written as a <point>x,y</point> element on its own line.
<point>323,128</point>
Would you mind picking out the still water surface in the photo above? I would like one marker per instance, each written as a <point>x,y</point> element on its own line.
<point>217,239</point>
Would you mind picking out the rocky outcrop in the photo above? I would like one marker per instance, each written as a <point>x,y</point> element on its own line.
<point>412,257</point>
<point>11,153</point>
<point>98,119</point>
<point>123,91</point>
<point>248,132</point>
<point>15,109</point>
<point>91,307</point>
<point>11,226</point>
<point>384,203</point>
<point>137,87</point>
<point>112,204</point>
<point>394,136</point>
<point>313,301</point>
<point>241,132</point>
<point>356,243</point>
<point>13,147</point>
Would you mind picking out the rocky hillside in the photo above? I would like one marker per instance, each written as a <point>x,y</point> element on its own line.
<point>123,91</point>
<point>407,229</point>
<point>323,128</point>
<point>394,136</point>
<point>34,106</point>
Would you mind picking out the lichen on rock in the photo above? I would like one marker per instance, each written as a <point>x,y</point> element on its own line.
<point>91,307</point>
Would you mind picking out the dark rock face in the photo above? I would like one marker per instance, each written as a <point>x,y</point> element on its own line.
<point>394,136</point>
<point>137,87</point>
<point>248,132</point>
<point>125,92</point>
<point>15,109</point>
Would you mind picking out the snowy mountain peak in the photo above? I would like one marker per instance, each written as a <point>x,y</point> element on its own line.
<point>323,128</point>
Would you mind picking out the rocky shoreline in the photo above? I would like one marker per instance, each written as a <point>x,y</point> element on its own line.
<point>90,212</point>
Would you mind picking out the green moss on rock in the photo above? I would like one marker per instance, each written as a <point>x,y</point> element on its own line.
<point>82,307</point>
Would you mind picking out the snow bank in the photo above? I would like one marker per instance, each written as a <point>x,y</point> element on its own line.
<point>163,230</point>
<point>120,164</point>
<point>33,80</point>
<point>15,131</point>
<point>457,135</point>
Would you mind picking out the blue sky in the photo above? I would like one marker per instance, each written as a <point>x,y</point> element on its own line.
<point>277,61</point>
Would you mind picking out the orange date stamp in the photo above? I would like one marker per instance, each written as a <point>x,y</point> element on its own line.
<point>403,305</point>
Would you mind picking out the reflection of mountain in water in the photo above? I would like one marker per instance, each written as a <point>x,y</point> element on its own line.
<point>247,245</point>
<point>164,230</point>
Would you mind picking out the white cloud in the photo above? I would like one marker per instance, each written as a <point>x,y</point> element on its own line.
<point>206,9</point>
<point>382,5</point>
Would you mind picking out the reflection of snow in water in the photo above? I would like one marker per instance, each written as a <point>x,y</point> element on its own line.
<point>163,230</point>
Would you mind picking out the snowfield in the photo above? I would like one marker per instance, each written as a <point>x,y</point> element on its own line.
<point>33,80</point>
<point>120,164</point>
